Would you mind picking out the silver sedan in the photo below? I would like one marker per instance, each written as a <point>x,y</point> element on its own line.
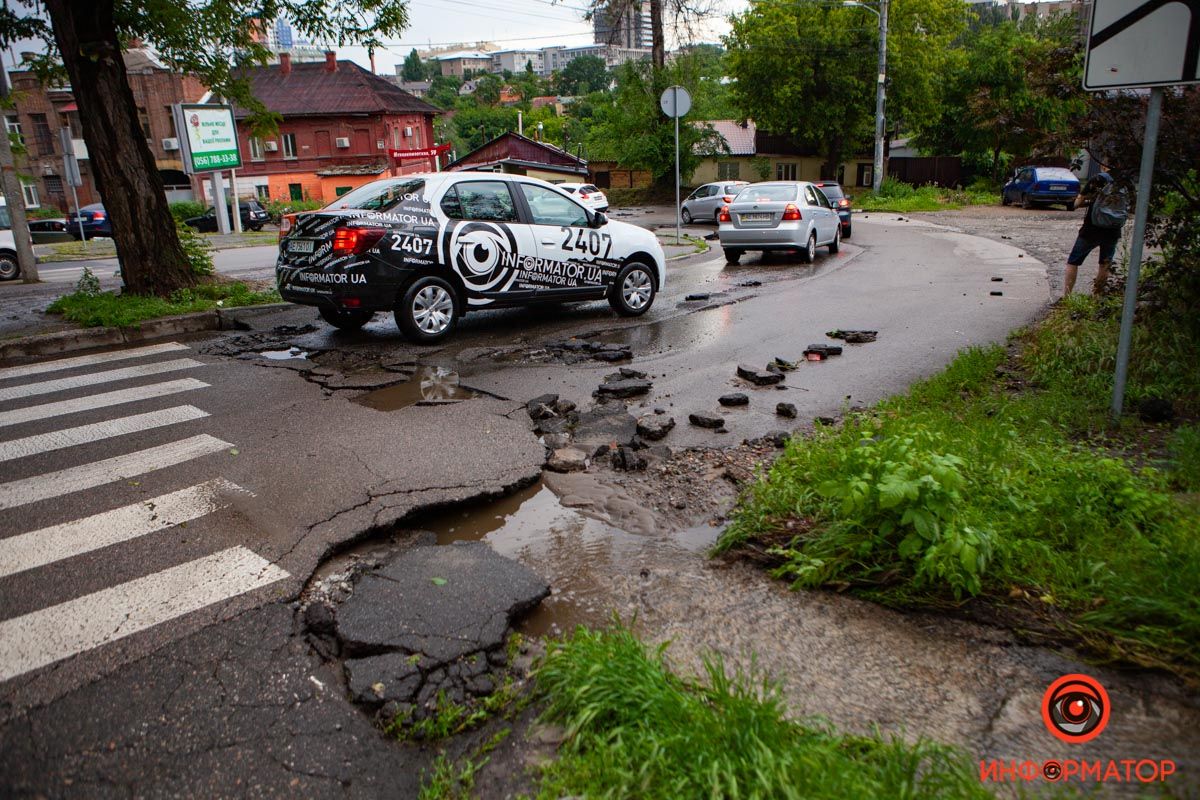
<point>703,204</point>
<point>781,215</point>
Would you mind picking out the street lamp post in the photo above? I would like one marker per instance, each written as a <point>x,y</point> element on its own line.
<point>880,88</point>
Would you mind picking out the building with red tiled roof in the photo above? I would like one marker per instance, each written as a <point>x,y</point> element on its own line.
<point>339,121</point>
<point>515,154</point>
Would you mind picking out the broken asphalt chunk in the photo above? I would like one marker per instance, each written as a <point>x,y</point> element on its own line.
<point>655,426</point>
<point>736,399</point>
<point>786,410</point>
<point>853,337</point>
<point>624,388</point>
<point>567,459</point>
<point>759,377</point>
<point>705,420</point>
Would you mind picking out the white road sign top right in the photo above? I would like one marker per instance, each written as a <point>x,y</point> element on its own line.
<point>1134,43</point>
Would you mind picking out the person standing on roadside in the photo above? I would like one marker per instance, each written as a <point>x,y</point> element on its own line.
<point>1106,207</point>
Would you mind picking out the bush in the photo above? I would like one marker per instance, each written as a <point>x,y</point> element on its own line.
<point>44,213</point>
<point>186,209</point>
<point>901,197</point>
<point>196,248</point>
<point>635,729</point>
<point>1185,458</point>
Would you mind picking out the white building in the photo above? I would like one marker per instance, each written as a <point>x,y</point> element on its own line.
<point>555,58</point>
<point>516,60</point>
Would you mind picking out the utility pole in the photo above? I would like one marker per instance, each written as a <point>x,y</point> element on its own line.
<point>16,198</point>
<point>880,86</point>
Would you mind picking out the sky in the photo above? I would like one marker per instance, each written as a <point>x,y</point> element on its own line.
<point>508,23</point>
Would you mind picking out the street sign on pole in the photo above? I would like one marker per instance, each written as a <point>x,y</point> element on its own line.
<point>676,102</point>
<point>1142,43</point>
<point>208,137</point>
<point>1135,44</point>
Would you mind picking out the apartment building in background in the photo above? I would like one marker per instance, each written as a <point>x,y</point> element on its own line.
<point>629,29</point>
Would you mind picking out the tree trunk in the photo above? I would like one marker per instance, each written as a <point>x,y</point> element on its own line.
<point>11,190</point>
<point>658,40</point>
<point>152,260</point>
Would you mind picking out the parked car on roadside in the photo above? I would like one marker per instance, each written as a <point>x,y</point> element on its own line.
<point>588,193</point>
<point>840,202</point>
<point>1030,186</point>
<point>432,247</point>
<point>46,230</point>
<point>95,222</point>
<point>779,215</point>
<point>705,203</point>
<point>253,214</point>
<point>10,268</point>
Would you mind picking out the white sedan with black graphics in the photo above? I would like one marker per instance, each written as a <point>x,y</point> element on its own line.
<point>432,247</point>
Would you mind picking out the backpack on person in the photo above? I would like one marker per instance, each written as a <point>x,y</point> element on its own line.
<point>1110,209</point>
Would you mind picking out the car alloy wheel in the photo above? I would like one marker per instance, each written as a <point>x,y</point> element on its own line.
<point>637,289</point>
<point>687,217</point>
<point>810,252</point>
<point>433,310</point>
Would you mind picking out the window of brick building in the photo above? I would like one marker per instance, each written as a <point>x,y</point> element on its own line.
<point>295,191</point>
<point>144,122</point>
<point>256,149</point>
<point>785,171</point>
<point>54,189</point>
<point>43,139</point>
<point>31,195</point>
<point>289,146</point>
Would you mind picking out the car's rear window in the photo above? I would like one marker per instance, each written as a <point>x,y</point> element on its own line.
<point>379,195</point>
<point>1055,174</point>
<point>732,188</point>
<point>589,188</point>
<point>766,194</point>
<point>831,190</point>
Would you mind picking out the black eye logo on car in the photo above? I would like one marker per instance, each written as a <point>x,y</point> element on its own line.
<point>482,254</point>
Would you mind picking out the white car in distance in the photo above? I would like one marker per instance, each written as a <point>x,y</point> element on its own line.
<point>589,194</point>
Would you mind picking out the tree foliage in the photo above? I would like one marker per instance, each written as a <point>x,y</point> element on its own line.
<point>583,75</point>
<point>807,70</point>
<point>1013,88</point>
<point>414,68</point>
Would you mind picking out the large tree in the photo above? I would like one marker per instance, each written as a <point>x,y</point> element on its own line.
<point>414,68</point>
<point>211,39</point>
<point>807,70</point>
<point>685,18</point>
<point>583,75</point>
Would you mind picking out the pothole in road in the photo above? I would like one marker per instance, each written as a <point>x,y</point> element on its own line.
<point>284,355</point>
<point>429,385</point>
<point>686,331</point>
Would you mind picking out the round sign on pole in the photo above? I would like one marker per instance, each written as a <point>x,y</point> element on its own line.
<point>675,101</point>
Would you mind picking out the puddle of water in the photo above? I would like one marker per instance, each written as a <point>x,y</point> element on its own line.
<point>575,553</point>
<point>430,385</point>
<point>284,355</point>
<point>689,330</point>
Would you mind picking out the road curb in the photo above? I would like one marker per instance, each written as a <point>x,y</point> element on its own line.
<point>47,344</point>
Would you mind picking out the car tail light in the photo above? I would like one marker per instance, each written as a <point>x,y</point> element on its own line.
<point>285,224</point>
<point>724,216</point>
<point>843,203</point>
<point>98,216</point>
<point>584,195</point>
<point>727,199</point>
<point>351,302</point>
<point>791,212</point>
<point>347,241</point>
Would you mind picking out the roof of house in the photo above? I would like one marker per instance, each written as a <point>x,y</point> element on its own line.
<point>474,55</point>
<point>738,135</point>
<point>513,148</point>
<point>311,89</point>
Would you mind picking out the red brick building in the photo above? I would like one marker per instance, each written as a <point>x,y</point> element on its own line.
<point>339,121</point>
<point>41,112</point>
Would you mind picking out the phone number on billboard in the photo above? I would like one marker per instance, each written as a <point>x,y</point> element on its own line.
<point>219,160</point>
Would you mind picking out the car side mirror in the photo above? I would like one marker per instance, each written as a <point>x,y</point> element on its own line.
<point>599,220</point>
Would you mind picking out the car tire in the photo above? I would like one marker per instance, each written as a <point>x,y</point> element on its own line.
<point>836,244</point>
<point>256,228</point>
<point>10,268</point>
<point>1071,204</point>
<point>428,311</point>
<point>633,291</point>
<point>345,320</point>
<point>732,256</point>
<point>809,254</point>
<point>687,217</point>
<point>846,233</point>
<point>1004,201</point>
<point>1026,203</point>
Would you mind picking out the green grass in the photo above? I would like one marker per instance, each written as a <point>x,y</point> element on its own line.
<point>451,780</point>
<point>1185,458</point>
<point>964,487</point>
<point>900,197</point>
<point>129,310</point>
<point>635,729</point>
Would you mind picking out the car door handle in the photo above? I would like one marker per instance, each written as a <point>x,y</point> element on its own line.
<point>547,241</point>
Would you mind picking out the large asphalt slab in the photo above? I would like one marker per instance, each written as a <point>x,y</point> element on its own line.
<point>229,700</point>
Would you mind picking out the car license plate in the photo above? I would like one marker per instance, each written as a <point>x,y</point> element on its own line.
<point>1058,188</point>
<point>300,246</point>
<point>755,217</point>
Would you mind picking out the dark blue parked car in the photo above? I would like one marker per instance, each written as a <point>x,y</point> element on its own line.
<point>95,222</point>
<point>1031,186</point>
